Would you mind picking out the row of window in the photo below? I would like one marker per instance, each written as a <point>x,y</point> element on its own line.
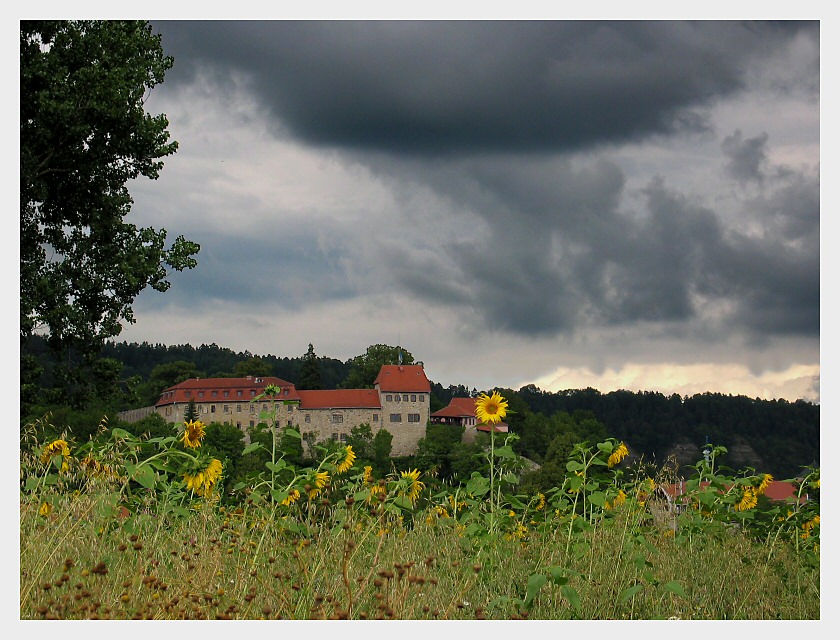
<point>225,393</point>
<point>405,397</point>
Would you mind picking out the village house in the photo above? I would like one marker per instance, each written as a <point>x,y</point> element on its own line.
<point>399,402</point>
<point>461,412</point>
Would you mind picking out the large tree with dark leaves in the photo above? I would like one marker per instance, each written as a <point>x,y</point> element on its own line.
<point>84,134</point>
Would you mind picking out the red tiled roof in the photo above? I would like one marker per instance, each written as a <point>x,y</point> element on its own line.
<point>340,399</point>
<point>500,428</point>
<point>188,389</point>
<point>457,408</point>
<point>403,378</point>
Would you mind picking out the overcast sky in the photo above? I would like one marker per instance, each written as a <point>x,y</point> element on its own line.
<point>617,205</point>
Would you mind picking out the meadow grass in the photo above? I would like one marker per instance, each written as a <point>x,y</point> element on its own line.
<point>84,561</point>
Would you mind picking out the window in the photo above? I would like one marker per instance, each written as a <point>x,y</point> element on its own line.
<point>251,423</point>
<point>413,398</point>
<point>306,418</point>
<point>422,398</point>
<point>226,409</point>
<point>376,417</point>
<point>253,408</point>
<point>285,391</point>
<point>337,417</point>
<point>238,424</point>
<point>253,392</point>
<point>212,408</point>
<point>405,397</point>
<point>343,437</point>
<point>414,417</point>
<point>335,436</point>
<point>214,393</point>
<point>389,398</point>
<point>239,393</point>
<point>397,398</point>
<point>396,417</point>
<point>265,407</point>
<point>288,407</point>
<point>239,408</point>
<point>226,393</point>
<point>187,394</point>
<point>200,394</point>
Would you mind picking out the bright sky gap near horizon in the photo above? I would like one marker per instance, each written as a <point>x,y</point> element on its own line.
<point>618,205</point>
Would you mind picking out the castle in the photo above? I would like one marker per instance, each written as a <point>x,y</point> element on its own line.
<point>398,402</point>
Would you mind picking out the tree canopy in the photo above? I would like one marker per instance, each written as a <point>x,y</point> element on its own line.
<point>364,368</point>
<point>84,134</point>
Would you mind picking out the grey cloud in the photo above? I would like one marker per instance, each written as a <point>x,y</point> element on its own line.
<point>467,87</point>
<point>746,158</point>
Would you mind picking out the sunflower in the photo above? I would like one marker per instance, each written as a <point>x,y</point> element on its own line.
<point>411,485</point>
<point>766,479</point>
<point>294,496</point>
<point>201,482</point>
<point>56,448</point>
<point>491,408</point>
<point>193,433</point>
<point>617,455</point>
<point>367,478</point>
<point>321,480</point>
<point>347,462</point>
<point>540,502</point>
<point>619,500</point>
<point>748,500</point>
<point>45,509</point>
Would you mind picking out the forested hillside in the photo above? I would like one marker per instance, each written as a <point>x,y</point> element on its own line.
<point>773,436</point>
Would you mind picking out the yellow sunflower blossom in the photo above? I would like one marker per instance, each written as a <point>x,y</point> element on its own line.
<point>347,462</point>
<point>294,496</point>
<point>193,433</point>
<point>45,509</point>
<point>748,500</point>
<point>766,479</point>
<point>56,448</point>
<point>808,526</point>
<point>201,483</point>
<point>619,500</point>
<point>490,409</point>
<point>376,491</point>
<point>321,480</point>
<point>540,502</point>
<point>617,455</point>
<point>411,485</point>
<point>367,478</point>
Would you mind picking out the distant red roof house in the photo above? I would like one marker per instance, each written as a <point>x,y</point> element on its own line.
<point>461,412</point>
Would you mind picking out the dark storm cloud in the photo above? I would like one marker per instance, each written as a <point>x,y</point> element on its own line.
<point>485,116</point>
<point>466,87</point>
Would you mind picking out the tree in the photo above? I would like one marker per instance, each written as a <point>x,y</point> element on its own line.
<point>252,367</point>
<point>84,134</point>
<point>365,368</point>
<point>191,412</point>
<point>310,371</point>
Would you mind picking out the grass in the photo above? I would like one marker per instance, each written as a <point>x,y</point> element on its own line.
<point>85,561</point>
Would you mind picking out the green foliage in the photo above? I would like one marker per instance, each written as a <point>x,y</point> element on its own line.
<point>191,412</point>
<point>253,366</point>
<point>310,372</point>
<point>364,368</point>
<point>84,134</point>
